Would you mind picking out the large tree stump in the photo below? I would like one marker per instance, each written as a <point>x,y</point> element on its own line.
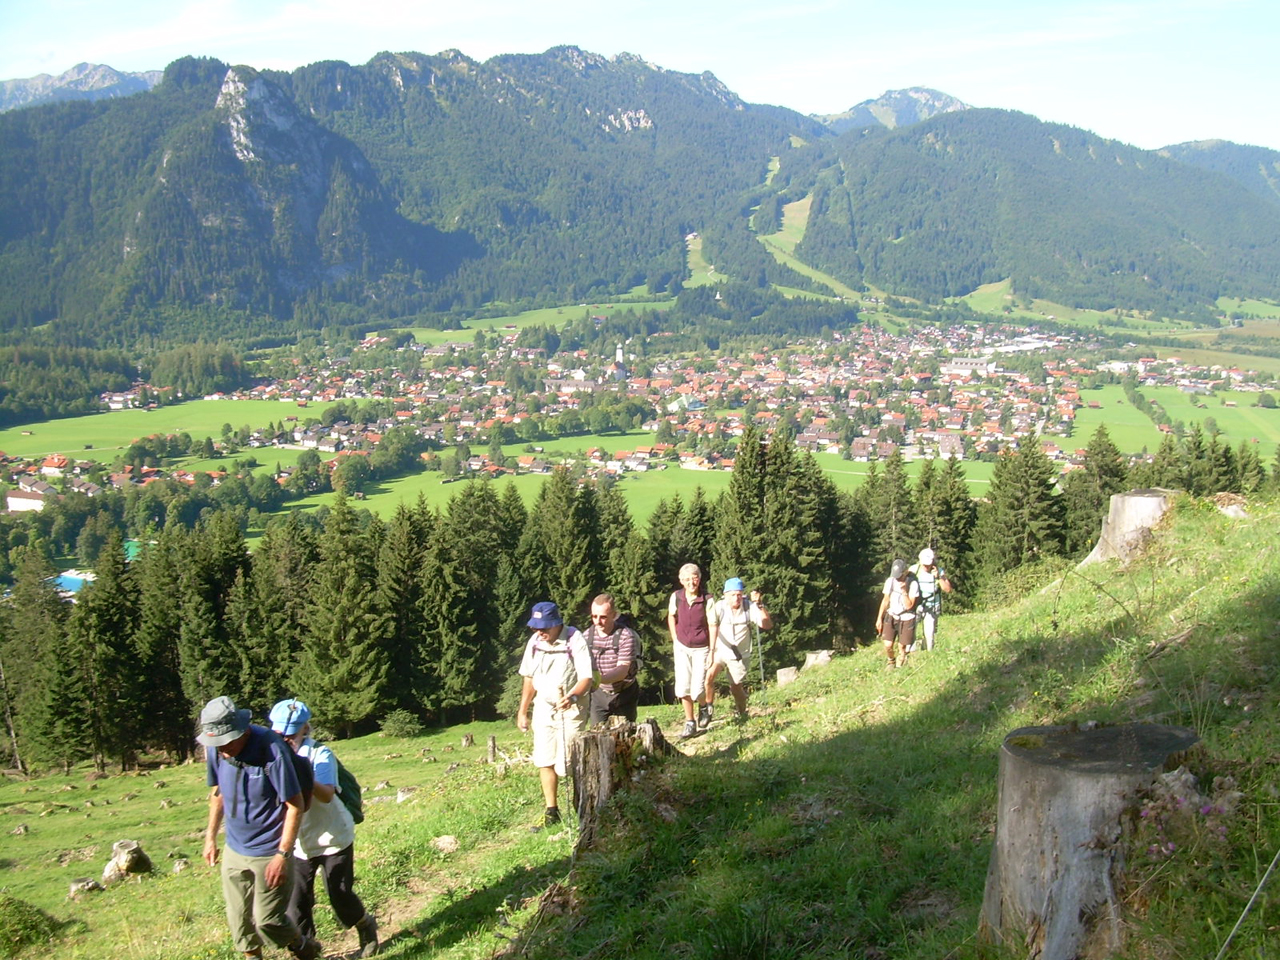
<point>603,760</point>
<point>1127,525</point>
<point>1057,862</point>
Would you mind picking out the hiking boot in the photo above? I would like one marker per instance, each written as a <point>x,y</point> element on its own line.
<point>368,931</point>
<point>309,948</point>
<point>549,819</point>
<point>891,665</point>
<point>704,716</point>
<point>690,728</point>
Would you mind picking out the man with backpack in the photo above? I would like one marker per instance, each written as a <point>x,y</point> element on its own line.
<point>735,617</point>
<point>615,655</point>
<point>326,840</point>
<point>257,797</point>
<point>896,619</point>
<point>556,668</point>
<point>934,582</point>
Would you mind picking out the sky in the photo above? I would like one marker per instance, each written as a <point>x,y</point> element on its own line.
<point>1147,72</point>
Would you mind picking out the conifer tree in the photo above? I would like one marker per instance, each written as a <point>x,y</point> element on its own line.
<point>343,664</point>
<point>400,585</point>
<point>213,555</point>
<point>893,514</point>
<point>694,538</point>
<point>956,514</point>
<point>1252,472</point>
<point>1087,492</point>
<point>661,533</point>
<point>101,629</point>
<point>159,626</point>
<point>1022,519</point>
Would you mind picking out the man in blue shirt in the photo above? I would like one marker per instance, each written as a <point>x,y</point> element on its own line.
<point>256,796</point>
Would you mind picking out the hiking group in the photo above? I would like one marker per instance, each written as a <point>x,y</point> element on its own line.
<point>574,679</point>
<point>912,594</point>
<point>280,798</point>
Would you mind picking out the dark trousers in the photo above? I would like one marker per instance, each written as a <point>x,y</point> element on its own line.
<point>620,704</point>
<point>339,875</point>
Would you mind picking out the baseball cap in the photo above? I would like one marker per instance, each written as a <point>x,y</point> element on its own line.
<point>734,583</point>
<point>927,557</point>
<point>289,716</point>
<point>898,570</point>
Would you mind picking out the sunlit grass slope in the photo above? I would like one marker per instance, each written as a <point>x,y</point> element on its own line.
<point>851,816</point>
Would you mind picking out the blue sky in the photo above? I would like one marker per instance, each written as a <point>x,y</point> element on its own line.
<point>1148,72</point>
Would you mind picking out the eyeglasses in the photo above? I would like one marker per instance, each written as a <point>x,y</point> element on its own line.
<point>601,616</point>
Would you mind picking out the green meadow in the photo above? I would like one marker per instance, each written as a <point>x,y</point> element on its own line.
<point>555,317</point>
<point>993,298</point>
<point>90,435</point>
<point>701,273</point>
<point>1132,431</point>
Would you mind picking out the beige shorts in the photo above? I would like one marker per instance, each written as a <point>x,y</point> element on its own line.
<point>553,731</point>
<point>737,668</point>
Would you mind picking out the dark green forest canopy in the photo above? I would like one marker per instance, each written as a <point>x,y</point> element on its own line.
<point>234,202</point>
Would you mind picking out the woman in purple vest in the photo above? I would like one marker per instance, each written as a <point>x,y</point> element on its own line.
<point>691,620</point>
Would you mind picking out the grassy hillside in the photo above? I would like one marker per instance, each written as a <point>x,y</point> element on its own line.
<point>850,816</point>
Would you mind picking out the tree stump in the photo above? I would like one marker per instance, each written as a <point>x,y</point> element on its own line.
<point>1127,525</point>
<point>1057,863</point>
<point>603,760</point>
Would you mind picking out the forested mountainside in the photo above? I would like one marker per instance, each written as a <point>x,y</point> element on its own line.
<point>234,201</point>
<point>1258,168</point>
<point>982,195</point>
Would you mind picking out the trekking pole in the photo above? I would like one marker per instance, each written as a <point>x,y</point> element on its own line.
<point>568,768</point>
<point>755,636</point>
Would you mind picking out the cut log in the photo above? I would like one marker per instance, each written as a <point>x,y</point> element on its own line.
<point>603,760</point>
<point>1127,525</point>
<point>1057,861</point>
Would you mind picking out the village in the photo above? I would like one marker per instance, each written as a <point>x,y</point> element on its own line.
<point>960,392</point>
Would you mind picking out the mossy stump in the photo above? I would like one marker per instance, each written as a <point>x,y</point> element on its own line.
<point>1058,861</point>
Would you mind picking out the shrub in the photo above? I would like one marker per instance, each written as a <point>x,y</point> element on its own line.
<point>22,925</point>
<point>401,723</point>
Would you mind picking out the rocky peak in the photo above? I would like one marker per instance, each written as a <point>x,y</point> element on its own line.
<point>893,109</point>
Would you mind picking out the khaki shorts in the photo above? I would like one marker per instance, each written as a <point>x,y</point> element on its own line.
<point>738,666</point>
<point>553,731</point>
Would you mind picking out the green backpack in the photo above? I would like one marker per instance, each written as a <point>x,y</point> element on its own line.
<point>349,791</point>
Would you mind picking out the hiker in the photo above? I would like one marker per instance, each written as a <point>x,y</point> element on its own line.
<point>557,674</point>
<point>326,839</point>
<point>613,647</point>
<point>896,619</point>
<point>257,797</point>
<point>691,621</point>
<point>735,617</point>
<point>934,582</point>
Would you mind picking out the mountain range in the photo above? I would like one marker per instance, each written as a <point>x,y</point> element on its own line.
<point>84,81</point>
<point>230,198</point>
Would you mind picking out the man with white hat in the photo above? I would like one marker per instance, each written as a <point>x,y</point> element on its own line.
<point>257,797</point>
<point>934,583</point>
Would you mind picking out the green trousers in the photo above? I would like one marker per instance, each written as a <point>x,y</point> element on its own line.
<point>255,912</point>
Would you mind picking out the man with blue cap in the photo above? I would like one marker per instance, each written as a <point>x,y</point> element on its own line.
<point>735,617</point>
<point>556,668</point>
<point>326,840</point>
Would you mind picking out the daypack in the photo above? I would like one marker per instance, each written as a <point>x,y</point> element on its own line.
<point>637,648</point>
<point>933,602</point>
<point>349,791</point>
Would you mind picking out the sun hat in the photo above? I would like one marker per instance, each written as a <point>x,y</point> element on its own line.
<point>221,722</point>
<point>289,716</point>
<point>545,616</point>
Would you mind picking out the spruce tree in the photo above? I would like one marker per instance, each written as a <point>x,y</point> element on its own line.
<point>159,627</point>
<point>1087,492</point>
<point>343,668</point>
<point>893,512</point>
<point>399,579</point>
<point>1022,519</point>
<point>101,629</point>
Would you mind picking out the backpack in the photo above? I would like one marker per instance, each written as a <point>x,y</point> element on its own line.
<point>349,791</point>
<point>637,648</point>
<point>933,602</point>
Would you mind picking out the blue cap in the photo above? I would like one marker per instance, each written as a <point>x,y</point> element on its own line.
<point>545,616</point>
<point>288,717</point>
<point>734,583</point>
